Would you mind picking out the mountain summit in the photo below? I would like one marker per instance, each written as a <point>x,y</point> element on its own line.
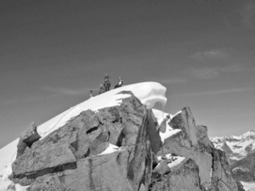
<point>117,141</point>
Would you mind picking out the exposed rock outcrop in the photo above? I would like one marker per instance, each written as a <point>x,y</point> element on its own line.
<point>183,177</point>
<point>67,159</point>
<point>74,156</point>
<point>27,139</point>
<point>193,143</point>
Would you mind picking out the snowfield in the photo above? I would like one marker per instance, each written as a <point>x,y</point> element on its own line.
<point>148,93</point>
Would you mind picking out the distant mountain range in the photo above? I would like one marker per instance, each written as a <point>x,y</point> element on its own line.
<point>240,151</point>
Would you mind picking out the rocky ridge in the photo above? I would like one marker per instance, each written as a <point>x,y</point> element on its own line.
<point>119,148</point>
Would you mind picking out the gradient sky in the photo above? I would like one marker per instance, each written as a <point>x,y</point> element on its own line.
<point>53,52</point>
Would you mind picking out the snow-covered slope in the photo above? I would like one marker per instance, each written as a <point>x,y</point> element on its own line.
<point>148,93</point>
<point>236,147</point>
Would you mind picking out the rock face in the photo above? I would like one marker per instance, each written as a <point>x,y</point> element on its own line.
<point>210,165</point>
<point>182,177</point>
<point>27,139</point>
<point>77,156</point>
<point>244,169</point>
<point>240,152</point>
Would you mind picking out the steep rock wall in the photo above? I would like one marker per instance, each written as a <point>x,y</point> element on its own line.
<point>192,142</point>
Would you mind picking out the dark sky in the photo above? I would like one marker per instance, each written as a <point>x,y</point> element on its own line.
<point>53,51</point>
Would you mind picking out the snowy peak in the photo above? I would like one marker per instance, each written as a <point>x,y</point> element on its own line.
<point>240,151</point>
<point>248,135</point>
<point>236,147</point>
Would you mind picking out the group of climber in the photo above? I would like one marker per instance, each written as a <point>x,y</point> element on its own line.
<point>106,86</point>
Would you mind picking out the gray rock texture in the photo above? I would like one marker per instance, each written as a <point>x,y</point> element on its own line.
<point>27,138</point>
<point>70,159</point>
<point>193,143</point>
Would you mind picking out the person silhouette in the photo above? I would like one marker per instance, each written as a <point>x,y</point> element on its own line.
<point>90,93</point>
<point>101,89</point>
<point>119,84</point>
<point>107,83</point>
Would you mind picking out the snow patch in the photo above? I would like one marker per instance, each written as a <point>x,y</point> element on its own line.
<point>248,186</point>
<point>169,133</point>
<point>243,169</point>
<point>110,149</point>
<point>148,93</point>
<point>176,161</point>
<point>161,116</point>
<point>172,161</point>
<point>172,116</point>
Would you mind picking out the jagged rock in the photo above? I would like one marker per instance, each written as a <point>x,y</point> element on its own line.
<point>186,122</point>
<point>153,134</point>
<point>244,169</point>
<point>124,121</point>
<point>193,143</point>
<point>132,112</point>
<point>105,172</point>
<point>141,160</point>
<point>74,147</point>
<point>202,136</point>
<point>43,160</point>
<point>70,158</point>
<point>185,177</point>
<point>27,138</point>
<point>222,179</point>
<point>128,169</point>
<point>59,151</point>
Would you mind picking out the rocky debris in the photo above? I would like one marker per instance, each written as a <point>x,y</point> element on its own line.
<point>70,158</point>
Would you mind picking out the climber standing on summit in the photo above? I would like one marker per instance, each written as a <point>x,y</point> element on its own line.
<point>101,89</point>
<point>107,83</point>
<point>119,84</point>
